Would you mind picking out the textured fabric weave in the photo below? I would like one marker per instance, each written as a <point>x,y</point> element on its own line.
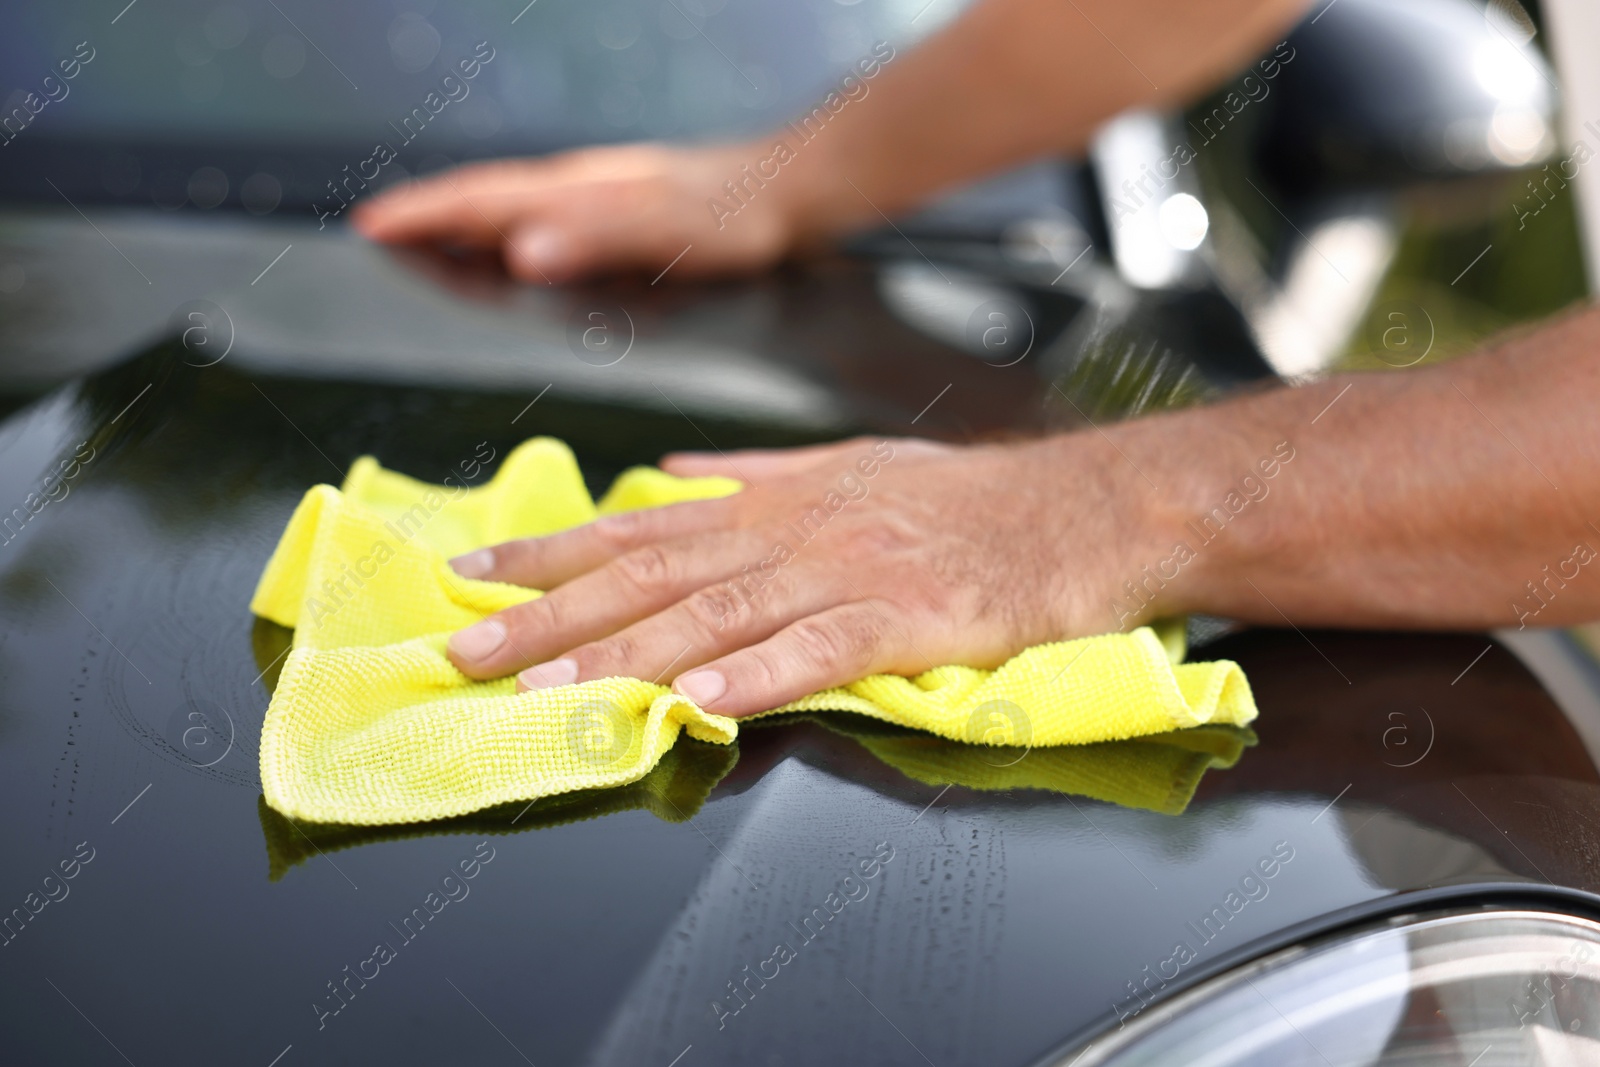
<point>371,724</point>
<point>1157,773</point>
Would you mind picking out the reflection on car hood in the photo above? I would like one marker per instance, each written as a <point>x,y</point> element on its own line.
<point>836,893</point>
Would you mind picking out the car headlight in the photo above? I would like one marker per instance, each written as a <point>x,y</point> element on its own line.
<point>1485,989</point>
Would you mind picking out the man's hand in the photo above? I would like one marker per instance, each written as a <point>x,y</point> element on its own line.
<point>1461,496</point>
<point>834,563</point>
<point>945,114</point>
<point>597,210</point>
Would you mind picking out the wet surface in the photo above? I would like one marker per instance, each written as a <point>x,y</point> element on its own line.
<point>828,889</point>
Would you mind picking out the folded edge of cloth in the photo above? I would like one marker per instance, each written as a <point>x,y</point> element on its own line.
<point>371,723</point>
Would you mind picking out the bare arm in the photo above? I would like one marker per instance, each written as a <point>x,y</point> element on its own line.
<point>1462,495</point>
<point>1014,80</point>
<point>1426,499</point>
<point>1007,82</point>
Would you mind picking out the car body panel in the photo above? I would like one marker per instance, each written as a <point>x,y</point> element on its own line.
<point>1400,770</point>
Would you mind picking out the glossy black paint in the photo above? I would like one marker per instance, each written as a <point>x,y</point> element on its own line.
<point>602,928</point>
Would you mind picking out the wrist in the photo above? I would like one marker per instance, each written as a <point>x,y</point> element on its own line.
<point>1216,512</point>
<point>812,199</point>
<point>1159,564</point>
<point>824,186</point>
<point>1113,528</point>
<point>1184,509</point>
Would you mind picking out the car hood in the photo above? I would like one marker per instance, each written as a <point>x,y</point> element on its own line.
<point>825,889</point>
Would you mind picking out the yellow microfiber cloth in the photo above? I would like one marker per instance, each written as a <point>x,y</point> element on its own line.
<point>371,724</point>
<point>1158,773</point>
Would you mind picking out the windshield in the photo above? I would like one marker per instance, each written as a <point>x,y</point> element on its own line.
<point>523,76</point>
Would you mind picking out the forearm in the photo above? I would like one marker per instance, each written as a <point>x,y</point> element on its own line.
<point>1431,498</point>
<point>1010,81</point>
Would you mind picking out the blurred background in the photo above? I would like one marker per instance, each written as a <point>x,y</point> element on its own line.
<point>1382,199</point>
<point>288,92</point>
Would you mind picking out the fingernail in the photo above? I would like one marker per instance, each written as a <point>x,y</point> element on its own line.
<point>478,641</point>
<point>557,672</point>
<point>474,564</point>
<point>544,247</point>
<point>702,687</point>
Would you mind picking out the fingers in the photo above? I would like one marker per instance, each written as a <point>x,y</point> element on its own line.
<point>600,227</point>
<point>747,464</point>
<point>836,647</point>
<point>635,585</point>
<point>756,462</point>
<point>708,623</point>
<point>541,252</point>
<point>522,207</point>
<point>549,226</point>
<point>546,562</point>
<point>584,213</point>
<point>471,205</point>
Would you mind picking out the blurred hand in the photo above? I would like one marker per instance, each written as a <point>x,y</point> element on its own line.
<point>592,211</point>
<point>834,563</point>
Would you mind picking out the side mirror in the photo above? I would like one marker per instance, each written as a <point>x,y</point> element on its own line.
<point>1385,93</point>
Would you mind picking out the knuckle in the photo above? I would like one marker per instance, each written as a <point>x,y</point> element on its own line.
<point>518,557</point>
<point>845,640</point>
<point>621,530</point>
<point>759,669</point>
<point>883,536</point>
<point>615,655</point>
<point>549,612</point>
<point>710,610</point>
<point>535,619</point>
<point>651,569</point>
